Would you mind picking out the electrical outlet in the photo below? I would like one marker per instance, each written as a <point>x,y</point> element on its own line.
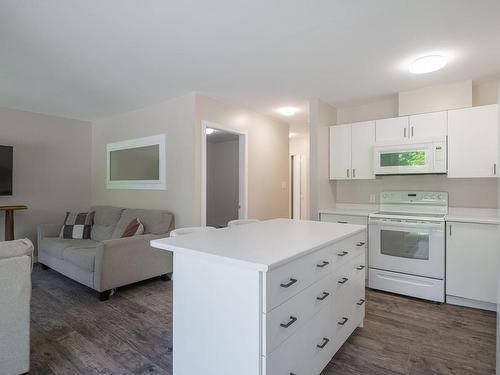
<point>372,198</point>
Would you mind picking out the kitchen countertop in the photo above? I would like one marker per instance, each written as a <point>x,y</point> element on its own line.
<point>261,246</point>
<point>474,215</point>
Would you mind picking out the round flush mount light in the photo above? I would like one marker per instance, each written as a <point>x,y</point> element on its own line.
<point>427,64</point>
<point>209,131</point>
<point>287,111</point>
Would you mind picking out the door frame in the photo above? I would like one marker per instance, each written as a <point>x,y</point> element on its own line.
<point>298,159</point>
<point>242,168</point>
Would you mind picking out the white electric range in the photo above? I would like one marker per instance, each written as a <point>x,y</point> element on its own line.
<point>407,244</point>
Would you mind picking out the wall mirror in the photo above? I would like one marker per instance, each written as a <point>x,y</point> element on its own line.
<point>137,163</point>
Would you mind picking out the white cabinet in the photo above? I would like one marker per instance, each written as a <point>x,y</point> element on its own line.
<point>340,152</point>
<point>426,125</point>
<point>473,142</point>
<point>392,129</point>
<point>471,261</point>
<point>351,151</point>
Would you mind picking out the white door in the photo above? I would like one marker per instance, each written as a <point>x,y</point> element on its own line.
<point>473,142</point>
<point>471,261</point>
<point>362,141</point>
<point>340,152</point>
<point>392,129</point>
<point>296,185</point>
<point>429,125</point>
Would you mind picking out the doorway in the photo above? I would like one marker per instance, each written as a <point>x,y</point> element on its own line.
<point>295,186</point>
<point>224,175</point>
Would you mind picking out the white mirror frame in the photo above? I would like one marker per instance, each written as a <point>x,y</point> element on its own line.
<point>154,140</point>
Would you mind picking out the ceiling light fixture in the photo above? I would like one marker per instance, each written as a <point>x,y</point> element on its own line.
<point>288,111</point>
<point>427,64</point>
<point>209,131</point>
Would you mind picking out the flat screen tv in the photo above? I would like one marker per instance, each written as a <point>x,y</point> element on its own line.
<point>6,158</point>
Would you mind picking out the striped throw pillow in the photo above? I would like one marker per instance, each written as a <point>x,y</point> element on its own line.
<point>134,228</point>
<point>77,226</point>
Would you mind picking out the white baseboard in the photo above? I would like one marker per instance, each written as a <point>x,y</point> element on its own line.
<point>452,300</point>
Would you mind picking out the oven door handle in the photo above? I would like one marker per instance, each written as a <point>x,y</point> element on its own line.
<point>407,224</point>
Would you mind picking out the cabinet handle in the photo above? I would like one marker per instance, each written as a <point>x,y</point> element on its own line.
<point>323,296</point>
<point>290,322</point>
<point>323,344</point>
<point>360,244</point>
<point>412,131</point>
<point>347,171</point>
<point>342,222</point>
<point>343,253</point>
<point>323,264</point>
<point>361,302</point>
<point>494,169</point>
<point>359,268</point>
<point>450,230</point>
<point>289,284</point>
<point>354,173</point>
<point>404,132</point>
<point>343,280</point>
<point>344,321</point>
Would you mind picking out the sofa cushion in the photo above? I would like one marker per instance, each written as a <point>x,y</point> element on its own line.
<point>154,221</point>
<point>105,220</point>
<point>55,246</point>
<point>81,257</point>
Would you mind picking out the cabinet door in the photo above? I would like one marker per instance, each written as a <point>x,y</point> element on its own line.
<point>340,152</point>
<point>471,261</point>
<point>392,129</point>
<point>429,125</point>
<point>473,142</point>
<point>362,141</point>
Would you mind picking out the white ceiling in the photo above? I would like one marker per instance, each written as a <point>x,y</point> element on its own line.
<point>93,58</point>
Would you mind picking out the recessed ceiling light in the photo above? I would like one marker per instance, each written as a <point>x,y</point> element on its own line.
<point>288,111</point>
<point>427,64</point>
<point>209,131</point>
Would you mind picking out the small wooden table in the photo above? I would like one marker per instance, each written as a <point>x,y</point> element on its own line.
<point>9,219</point>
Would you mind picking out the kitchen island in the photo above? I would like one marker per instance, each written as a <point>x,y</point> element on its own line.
<point>277,297</point>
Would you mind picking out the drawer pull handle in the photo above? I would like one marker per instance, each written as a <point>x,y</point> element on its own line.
<point>290,322</point>
<point>323,264</point>
<point>342,222</point>
<point>323,344</point>
<point>323,296</point>
<point>342,253</point>
<point>361,302</point>
<point>343,280</point>
<point>289,284</point>
<point>359,268</point>
<point>360,244</point>
<point>344,321</point>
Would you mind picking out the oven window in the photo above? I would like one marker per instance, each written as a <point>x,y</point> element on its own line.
<point>402,159</point>
<point>411,245</point>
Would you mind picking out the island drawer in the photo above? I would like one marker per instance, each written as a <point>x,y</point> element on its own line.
<point>347,249</point>
<point>287,318</point>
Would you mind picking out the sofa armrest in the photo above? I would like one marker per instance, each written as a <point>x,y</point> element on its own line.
<point>48,230</point>
<point>127,260</point>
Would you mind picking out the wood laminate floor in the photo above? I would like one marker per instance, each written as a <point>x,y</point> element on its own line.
<point>73,333</point>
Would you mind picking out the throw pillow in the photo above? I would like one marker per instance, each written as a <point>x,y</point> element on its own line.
<point>77,225</point>
<point>134,228</point>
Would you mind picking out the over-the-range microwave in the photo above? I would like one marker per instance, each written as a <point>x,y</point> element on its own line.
<point>422,156</point>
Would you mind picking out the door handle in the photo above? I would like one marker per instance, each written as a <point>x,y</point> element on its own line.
<point>323,264</point>
<point>289,284</point>
<point>289,323</point>
<point>323,344</point>
<point>323,296</point>
<point>344,321</point>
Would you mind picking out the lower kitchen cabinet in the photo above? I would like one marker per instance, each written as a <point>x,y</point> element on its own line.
<point>471,264</point>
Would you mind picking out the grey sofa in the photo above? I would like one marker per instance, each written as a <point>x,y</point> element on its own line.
<point>107,261</point>
<point>15,295</point>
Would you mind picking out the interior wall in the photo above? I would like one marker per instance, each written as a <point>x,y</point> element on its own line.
<point>268,153</point>
<point>222,182</point>
<point>51,168</point>
<point>176,119</point>
<point>376,110</point>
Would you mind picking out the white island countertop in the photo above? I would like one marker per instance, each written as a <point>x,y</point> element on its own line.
<point>263,245</point>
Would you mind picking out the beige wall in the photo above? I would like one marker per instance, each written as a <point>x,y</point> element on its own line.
<point>267,154</point>
<point>51,167</point>
<point>222,182</point>
<point>377,110</point>
<point>322,190</point>
<point>176,119</point>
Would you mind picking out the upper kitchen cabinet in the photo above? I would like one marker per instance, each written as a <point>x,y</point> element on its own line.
<point>351,151</point>
<point>473,142</point>
<point>392,129</point>
<point>428,125</point>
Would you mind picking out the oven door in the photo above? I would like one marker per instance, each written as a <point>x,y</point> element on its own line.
<point>412,247</point>
<point>395,159</point>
